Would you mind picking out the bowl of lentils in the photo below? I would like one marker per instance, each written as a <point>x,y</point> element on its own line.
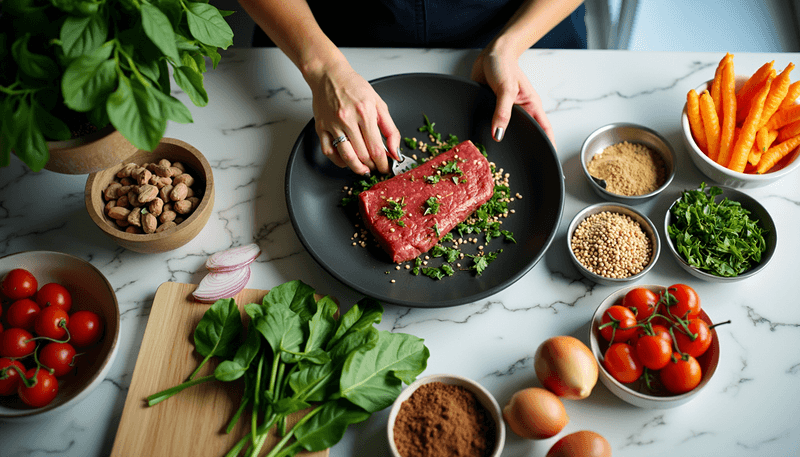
<point>612,243</point>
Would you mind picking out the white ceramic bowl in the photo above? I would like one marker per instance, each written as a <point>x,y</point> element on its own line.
<point>724,176</point>
<point>91,291</point>
<point>612,134</point>
<point>636,215</point>
<point>483,396</point>
<point>634,393</point>
<point>757,211</point>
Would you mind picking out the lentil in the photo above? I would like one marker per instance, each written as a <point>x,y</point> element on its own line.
<point>611,245</point>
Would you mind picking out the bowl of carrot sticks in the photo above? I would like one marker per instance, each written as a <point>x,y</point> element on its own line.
<point>743,131</point>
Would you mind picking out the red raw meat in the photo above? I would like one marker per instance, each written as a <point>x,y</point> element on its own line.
<point>415,233</point>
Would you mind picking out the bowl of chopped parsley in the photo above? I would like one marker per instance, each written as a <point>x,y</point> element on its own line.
<point>720,234</point>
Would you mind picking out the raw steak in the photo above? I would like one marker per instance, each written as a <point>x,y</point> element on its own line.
<point>457,195</point>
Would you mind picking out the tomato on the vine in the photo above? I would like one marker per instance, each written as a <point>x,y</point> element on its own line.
<point>85,328</point>
<point>622,363</point>
<point>58,357</point>
<point>654,351</point>
<point>43,390</point>
<point>22,314</point>
<point>18,283</point>
<point>54,294</point>
<point>16,343</point>
<point>643,302</point>
<point>686,304</point>
<point>9,377</point>
<point>52,323</point>
<point>618,324</point>
<point>681,374</point>
<point>698,342</point>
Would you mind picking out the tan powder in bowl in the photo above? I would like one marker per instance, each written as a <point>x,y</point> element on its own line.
<point>629,169</point>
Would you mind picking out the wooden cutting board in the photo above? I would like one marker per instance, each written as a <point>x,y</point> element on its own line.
<point>193,422</point>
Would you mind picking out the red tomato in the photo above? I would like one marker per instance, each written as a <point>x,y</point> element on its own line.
<point>22,314</point>
<point>643,302</point>
<point>52,323</point>
<point>85,328</point>
<point>18,283</point>
<point>59,357</point>
<point>696,344</point>
<point>16,343</point>
<point>687,302</point>
<point>681,374</point>
<point>42,392</point>
<point>652,329</point>
<point>618,324</point>
<point>622,363</point>
<point>9,377</point>
<point>52,294</point>
<point>654,351</point>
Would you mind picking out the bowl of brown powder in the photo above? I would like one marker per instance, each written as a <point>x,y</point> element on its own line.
<point>446,415</point>
<point>627,163</point>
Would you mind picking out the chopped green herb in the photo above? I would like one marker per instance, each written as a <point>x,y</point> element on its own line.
<point>394,211</point>
<point>481,261</point>
<point>432,207</point>
<point>411,143</point>
<point>433,179</point>
<point>450,167</point>
<point>359,187</point>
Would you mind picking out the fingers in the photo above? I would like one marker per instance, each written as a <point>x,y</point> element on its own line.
<point>502,113</point>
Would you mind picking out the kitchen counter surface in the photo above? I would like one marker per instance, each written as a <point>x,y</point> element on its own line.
<point>258,105</point>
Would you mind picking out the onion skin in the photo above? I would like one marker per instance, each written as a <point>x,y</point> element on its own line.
<point>535,413</point>
<point>233,258</point>
<point>224,284</point>
<point>566,367</point>
<point>581,444</point>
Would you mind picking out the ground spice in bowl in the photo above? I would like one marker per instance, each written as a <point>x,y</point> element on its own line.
<point>444,420</point>
<point>611,245</point>
<point>629,169</point>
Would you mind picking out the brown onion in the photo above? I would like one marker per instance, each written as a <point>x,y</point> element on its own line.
<point>581,444</point>
<point>535,413</point>
<point>566,367</point>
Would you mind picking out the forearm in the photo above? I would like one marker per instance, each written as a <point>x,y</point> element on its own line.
<point>532,21</point>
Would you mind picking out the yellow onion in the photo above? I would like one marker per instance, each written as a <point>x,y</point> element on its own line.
<point>581,444</point>
<point>566,367</point>
<point>535,413</point>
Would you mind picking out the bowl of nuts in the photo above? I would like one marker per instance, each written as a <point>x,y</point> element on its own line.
<point>154,202</point>
<point>612,243</point>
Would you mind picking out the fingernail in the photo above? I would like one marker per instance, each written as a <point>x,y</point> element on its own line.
<point>498,133</point>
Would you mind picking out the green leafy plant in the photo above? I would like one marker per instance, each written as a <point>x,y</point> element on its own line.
<point>68,64</point>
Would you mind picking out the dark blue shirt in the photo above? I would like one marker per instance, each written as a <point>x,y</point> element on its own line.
<point>428,23</point>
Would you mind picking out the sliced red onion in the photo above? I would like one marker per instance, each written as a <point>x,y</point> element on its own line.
<point>233,258</point>
<point>221,284</point>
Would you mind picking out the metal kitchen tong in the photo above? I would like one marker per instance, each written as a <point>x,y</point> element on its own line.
<point>403,165</point>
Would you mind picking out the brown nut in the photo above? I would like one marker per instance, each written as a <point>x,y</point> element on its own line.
<point>166,226</point>
<point>123,190</point>
<point>141,176</point>
<point>135,217</point>
<point>167,216</point>
<point>133,198</point>
<point>126,181</point>
<point>162,171</point>
<point>195,202</point>
<point>133,229</point>
<point>122,222</point>
<point>126,170</point>
<point>185,178</point>
<point>118,213</point>
<point>111,191</point>
<point>110,204</point>
<point>149,223</point>
<point>123,201</point>
<point>179,166</point>
<point>165,163</point>
<point>174,171</point>
<point>183,207</point>
<point>179,192</point>
<point>164,192</point>
<point>156,206</point>
<point>147,193</point>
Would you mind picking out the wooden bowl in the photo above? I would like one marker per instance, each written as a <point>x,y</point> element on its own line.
<point>175,151</point>
<point>88,154</point>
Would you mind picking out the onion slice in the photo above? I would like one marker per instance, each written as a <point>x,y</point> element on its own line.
<point>221,284</point>
<point>233,258</point>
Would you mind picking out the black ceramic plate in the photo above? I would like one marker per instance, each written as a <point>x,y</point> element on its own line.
<point>463,108</point>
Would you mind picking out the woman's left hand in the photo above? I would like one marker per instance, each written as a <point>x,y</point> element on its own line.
<point>509,83</point>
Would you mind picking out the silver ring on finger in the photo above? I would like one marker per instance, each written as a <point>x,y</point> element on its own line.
<point>341,139</point>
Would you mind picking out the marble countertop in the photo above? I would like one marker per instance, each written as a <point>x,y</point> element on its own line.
<point>259,104</point>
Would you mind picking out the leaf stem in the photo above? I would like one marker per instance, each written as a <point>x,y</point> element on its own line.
<point>164,394</point>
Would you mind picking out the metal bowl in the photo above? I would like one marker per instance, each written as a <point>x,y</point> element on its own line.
<point>647,226</point>
<point>757,211</point>
<point>612,134</point>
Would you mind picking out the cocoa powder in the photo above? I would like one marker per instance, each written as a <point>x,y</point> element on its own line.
<point>442,420</point>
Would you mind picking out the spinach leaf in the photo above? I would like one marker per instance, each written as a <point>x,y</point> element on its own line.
<point>327,427</point>
<point>219,327</point>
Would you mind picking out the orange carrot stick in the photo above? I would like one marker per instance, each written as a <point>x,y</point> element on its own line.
<point>776,153</point>
<point>784,117</point>
<point>695,121</point>
<point>746,94</point>
<point>747,137</point>
<point>765,138</point>
<point>716,84</point>
<point>728,120</point>
<point>777,92</point>
<point>754,81</point>
<point>710,124</point>
<point>788,131</point>
<point>753,157</point>
<point>791,95</point>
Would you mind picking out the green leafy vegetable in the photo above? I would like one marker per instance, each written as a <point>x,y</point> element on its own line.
<point>716,237</point>
<point>431,205</point>
<point>394,211</point>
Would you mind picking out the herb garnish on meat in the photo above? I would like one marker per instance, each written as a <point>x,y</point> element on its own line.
<point>394,211</point>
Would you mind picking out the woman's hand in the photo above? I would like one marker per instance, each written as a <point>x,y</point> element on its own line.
<point>511,86</point>
<point>346,105</point>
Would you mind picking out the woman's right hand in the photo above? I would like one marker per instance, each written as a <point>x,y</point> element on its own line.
<point>345,104</point>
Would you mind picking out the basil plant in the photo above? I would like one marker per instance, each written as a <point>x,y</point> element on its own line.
<point>69,64</point>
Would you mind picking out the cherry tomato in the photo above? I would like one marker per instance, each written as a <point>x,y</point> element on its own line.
<point>654,351</point>
<point>9,377</point>
<point>42,392</point>
<point>53,294</point>
<point>22,314</point>
<point>52,323</point>
<point>696,344</point>
<point>622,363</point>
<point>681,374</point>
<point>18,283</point>
<point>59,357</point>
<point>687,305</point>
<point>85,328</point>
<point>618,324</point>
<point>643,302</point>
<point>16,343</point>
